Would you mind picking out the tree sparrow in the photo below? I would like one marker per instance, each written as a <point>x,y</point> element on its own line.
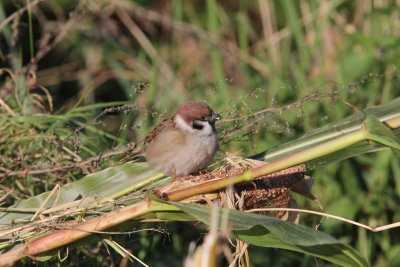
<point>183,143</point>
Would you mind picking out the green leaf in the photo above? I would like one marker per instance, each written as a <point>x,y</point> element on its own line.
<point>267,231</point>
<point>98,106</point>
<point>339,253</point>
<point>173,216</point>
<point>112,182</point>
<point>380,133</point>
<point>350,125</point>
<point>39,119</point>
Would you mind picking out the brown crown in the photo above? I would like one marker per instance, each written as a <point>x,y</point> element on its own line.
<point>194,110</point>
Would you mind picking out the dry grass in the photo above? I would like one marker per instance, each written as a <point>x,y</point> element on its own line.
<point>273,73</point>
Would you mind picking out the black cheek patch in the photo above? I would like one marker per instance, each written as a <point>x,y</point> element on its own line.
<point>197,126</point>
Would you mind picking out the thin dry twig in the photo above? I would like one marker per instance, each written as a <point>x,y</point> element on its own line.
<point>3,197</point>
<point>19,12</point>
<point>57,189</point>
<point>61,35</point>
<point>138,34</point>
<point>61,227</point>
<point>7,108</point>
<point>339,218</point>
<point>127,252</point>
<point>108,154</point>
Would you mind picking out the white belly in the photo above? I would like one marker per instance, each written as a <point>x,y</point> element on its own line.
<point>196,154</point>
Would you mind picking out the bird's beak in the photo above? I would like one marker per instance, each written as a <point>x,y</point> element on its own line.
<point>215,117</point>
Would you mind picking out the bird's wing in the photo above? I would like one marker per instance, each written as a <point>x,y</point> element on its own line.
<point>166,124</point>
<point>166,145</point>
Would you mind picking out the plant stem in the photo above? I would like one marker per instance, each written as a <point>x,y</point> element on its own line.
<point>270,167</point>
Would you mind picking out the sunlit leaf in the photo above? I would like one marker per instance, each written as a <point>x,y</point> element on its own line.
<point>383,113</point>
<point>112,182</point>
<point>270,232</point>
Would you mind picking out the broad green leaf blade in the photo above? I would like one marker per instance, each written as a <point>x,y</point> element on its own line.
<point>351,151</point>
<point>270,232</point>
<point>380,133</point>
<point>352,124</point>
<point>172,216</point>
<point>383,137</point>
<point>112,182</point>
<point>340,254</point>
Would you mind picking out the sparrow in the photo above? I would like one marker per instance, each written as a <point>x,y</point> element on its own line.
<point>185,142</point>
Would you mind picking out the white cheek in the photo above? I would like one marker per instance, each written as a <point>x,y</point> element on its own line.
<point>207,129</point>
<point>181,124</point>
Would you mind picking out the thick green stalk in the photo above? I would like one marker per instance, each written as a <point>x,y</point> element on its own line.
<point>76,231</point>
<point>268,168</point>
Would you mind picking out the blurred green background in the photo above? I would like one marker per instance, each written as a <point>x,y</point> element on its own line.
<point>274,69</point>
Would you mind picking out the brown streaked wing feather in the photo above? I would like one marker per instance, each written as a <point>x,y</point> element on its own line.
<point>167,123</point>
<point>164,145</point>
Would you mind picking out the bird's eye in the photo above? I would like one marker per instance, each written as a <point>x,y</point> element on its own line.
<point>203,118</point>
